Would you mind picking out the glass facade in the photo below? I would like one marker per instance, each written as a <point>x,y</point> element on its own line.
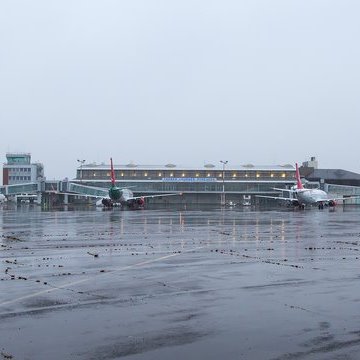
<point>149,180</point>
<point>15,159</point>
<point>22,188</point>
<point>124,174</point>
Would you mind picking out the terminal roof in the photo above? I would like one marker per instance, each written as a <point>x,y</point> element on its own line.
<point>216,167</point>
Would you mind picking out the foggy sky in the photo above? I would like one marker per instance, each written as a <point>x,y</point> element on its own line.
<point>184,82</point>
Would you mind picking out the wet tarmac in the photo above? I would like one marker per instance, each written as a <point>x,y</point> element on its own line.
<point>180,284</point>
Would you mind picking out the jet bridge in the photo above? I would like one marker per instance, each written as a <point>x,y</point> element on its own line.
<point>29,192</point>
<point>344,191</point>
<point>16,189</point>
<point>80,189</point>
<point>55,188</point>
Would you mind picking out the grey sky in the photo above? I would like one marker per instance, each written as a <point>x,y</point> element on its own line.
<point>186,82</point>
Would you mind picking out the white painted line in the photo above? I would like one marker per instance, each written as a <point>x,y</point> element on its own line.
<point>102,274</point>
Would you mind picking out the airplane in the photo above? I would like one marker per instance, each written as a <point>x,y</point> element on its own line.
<point>122,197</point>
<point>300,196</point>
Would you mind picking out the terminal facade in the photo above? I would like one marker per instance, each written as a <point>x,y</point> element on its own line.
<point>199,185</point>
<point>222,183</point>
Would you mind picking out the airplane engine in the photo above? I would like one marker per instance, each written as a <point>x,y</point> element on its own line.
<point>332,203</point>
<point>140,201</point>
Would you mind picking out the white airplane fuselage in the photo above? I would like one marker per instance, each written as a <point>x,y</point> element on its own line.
<point>126,194</point>
<point>310,196</point>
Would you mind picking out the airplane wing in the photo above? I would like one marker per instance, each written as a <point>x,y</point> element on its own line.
<point>339,198</point>
<point>76,194</point>
<point>288,190</point>
<point>276,198</point>
<point>153,196</point>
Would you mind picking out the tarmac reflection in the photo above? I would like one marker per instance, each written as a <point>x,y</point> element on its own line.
<point>255,284</point>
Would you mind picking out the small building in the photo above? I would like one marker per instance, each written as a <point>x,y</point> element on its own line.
<point>20,170</point>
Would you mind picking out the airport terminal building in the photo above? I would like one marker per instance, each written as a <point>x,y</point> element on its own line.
<point>221,183</point>
<point>199,185</point>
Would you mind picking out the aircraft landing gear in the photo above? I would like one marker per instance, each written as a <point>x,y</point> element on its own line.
<point>107,203</point>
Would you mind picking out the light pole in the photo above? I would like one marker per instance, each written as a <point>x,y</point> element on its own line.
<point>222,200</point>
<point>81,164</point>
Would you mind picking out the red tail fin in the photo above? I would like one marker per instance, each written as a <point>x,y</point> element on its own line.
<point>299,184</point>
<point>112,173</point>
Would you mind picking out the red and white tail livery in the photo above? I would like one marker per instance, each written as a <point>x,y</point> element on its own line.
<point>299,184</point>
